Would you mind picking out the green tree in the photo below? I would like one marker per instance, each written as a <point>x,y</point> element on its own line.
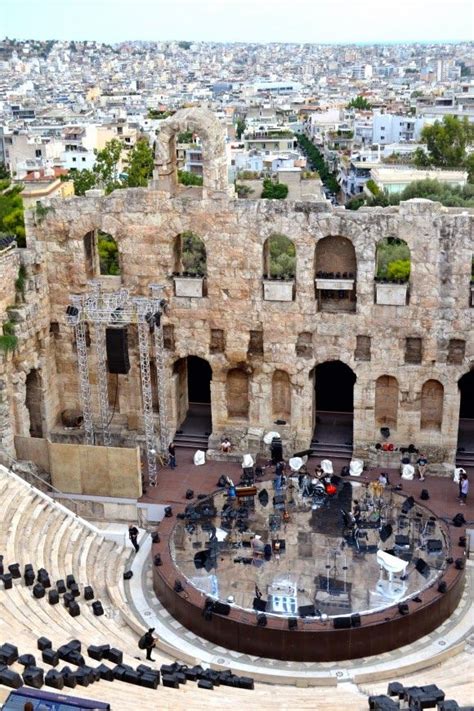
<point>316,162</point>
<point>360,102</point>
<point>399,270</point>
<point>12,220</point>
<point>193,254</point>
<point>108,254</point>
<point>446,142</point>
<point>240,126</point>
<point>106,166</point>
<point>274,191</point>
<point>187,178</point>
<point>83,180</point>
<point>185,137</point>
<point>140,164</point>
<point>281,257</point>
<point>184,45</point>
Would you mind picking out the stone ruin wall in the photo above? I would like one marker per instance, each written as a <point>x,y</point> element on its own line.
<point>145,224</point>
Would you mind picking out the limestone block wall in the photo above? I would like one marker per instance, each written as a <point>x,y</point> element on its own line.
<point>145,223</point>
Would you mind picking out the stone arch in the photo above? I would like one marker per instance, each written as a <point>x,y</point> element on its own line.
<point>205,124</point>
<point>189,255</point>
<point>432,398</point>
<point>101,254</point>
<point>386,401</point>
<point>237,393</point>
<point>335,265</point>
<point>281,395</point>
<point>279,257</point>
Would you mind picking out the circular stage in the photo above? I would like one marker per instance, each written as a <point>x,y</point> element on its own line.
<point>256,570</point>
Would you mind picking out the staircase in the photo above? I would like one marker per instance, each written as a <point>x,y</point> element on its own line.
<point>340,454</point>
<point>191,441</point>
<point>465,459</point>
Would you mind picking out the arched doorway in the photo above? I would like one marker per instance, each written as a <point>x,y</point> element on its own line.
<point>334,403</point>
<point>193,377</point>
<point>466,412</point>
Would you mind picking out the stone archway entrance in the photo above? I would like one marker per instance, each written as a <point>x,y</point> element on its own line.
<point>333,403</point>
<point>193,377</point>
<point>466,413</point>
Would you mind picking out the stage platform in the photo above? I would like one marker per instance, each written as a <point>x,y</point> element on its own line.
<point>316,562</point>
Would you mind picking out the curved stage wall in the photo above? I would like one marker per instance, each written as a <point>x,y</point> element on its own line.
<point>313,640</point>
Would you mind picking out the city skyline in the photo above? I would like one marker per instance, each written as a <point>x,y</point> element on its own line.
<point>113,21</point>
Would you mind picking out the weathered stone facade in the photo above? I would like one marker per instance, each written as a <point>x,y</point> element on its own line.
<point>369,337</point>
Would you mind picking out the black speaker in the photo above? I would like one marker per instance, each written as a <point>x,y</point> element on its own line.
<point>459,563</point>
<point>355,620</point>
<point>292,623</point>
<point>88,593</point>
<point>105,672</point>
<point>178,586</point>
<point>69,678</point>
<point>14,569</point>
<point>53,597</point>
<point>341,623</point>
<point>403,608</point>
<point>7,581</point>
<point>114,655</point>
<point>422,567</point>
<point>39,591</point>
<point>261,620</point>
<point>128,574</point>
<point>29,577</point>
<point>385,532</point>
<point>97,608</point>
<point>74,609</point>
<point>10,678</point>
<point>116,340</point>
<point>443,587</point>
<point>170,681</point>
<point>27,660</point>
<point>33,676</point>
<point>54,679</point>
<point>70,580</point>
<point>203,684</point>
<point>259,604</point>
<point>8,653</point>
<point>276,450</point>
<point>157,560</point>
<point>221,608</point>
<point>44,643</point>
<point>155,537</point>
<point>75,592</point>
<point>459,520</point>
<point>425,495</point>
<point>306,611</point>
<point>49,656</point>
<point>168,511</point>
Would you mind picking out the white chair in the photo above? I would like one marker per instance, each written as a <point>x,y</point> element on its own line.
<point>356,467</point>
<point>408,472</point>
<point>247,461</point>
<point>326,466</point>
<point>457,474</point>
<point>199,457</point>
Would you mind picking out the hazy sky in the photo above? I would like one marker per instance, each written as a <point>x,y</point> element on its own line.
<point>239,20</point>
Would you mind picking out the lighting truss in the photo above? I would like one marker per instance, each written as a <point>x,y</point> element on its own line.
<point>117,308</point>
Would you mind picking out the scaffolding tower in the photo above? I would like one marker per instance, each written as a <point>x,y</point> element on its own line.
<point>111,309</point>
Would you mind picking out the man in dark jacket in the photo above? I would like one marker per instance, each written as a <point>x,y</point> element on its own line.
<point>148,642</point>
<point>133,535</point>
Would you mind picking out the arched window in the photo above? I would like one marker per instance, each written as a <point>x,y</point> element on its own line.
<point>190,255</point>
<point>336,274</point>
<point>279,258</point>
<point>237,392</point>
<point>281,395</point>
<point>386,401</point>
<point>392,272</point>
<point>432,396</point>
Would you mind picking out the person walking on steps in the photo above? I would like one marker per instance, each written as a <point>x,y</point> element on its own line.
<point>148,642</point>
<point>463,488</point>
<point>133,535</point>
<point>172,456</point>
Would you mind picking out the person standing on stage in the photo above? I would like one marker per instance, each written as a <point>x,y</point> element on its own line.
<point>463,488</point>
<point>172,456</point>
<point>133,535</point>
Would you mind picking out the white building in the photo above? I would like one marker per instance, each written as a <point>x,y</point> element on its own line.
<point>389,128</point>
